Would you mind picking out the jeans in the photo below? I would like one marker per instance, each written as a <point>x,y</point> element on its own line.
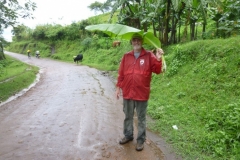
<point>141,108</point>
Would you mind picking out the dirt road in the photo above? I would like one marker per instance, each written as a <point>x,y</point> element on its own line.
<point>69,114</point>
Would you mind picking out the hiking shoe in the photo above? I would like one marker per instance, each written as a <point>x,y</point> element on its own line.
<point>125,140</point>
<point>139,147</point>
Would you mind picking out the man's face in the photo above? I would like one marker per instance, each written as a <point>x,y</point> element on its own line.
<point>136,43</point>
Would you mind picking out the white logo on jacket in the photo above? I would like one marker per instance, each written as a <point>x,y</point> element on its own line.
<point>141,61</point>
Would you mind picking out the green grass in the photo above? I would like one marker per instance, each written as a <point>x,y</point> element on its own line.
<point>200,94</point>
<point>15,76</point>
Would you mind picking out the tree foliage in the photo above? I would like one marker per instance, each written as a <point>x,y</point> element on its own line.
<point>230,18</point>
<point>10,11</point>
<point>172,21</point>
<point>39,32</point>
<point>98,6</point>
<point>167,17</point>
<point>50,32</point>
<point>21,32</point>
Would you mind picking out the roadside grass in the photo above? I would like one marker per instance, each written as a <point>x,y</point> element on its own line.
<point>15,76</point>
<point>199,93</point>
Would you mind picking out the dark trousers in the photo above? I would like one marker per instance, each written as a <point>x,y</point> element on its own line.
<point>141,109</point>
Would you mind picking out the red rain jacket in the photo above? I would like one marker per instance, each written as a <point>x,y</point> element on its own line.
<point>134,75</point>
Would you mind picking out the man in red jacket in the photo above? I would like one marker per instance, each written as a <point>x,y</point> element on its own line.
<point>134,77</point>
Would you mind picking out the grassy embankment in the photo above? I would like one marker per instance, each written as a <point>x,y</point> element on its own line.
<point>14,77</point>
<point>199,93</point>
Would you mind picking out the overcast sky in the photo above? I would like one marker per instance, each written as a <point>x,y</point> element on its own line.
<point>62,12</point>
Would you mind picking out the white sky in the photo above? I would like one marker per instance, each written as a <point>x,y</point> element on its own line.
<point>62,12</point>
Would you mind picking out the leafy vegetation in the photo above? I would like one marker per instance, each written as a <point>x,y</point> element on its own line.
<point>173,22</point>
<point>12,10</point>
<point>167,17</point>
<point>14,77</point>
<point>200,94</point>
<point>9,12</point>
<point>98,6</point>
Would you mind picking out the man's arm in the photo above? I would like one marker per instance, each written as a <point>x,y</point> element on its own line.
<point>119,79</point>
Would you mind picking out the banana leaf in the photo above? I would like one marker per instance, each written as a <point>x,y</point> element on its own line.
<point>125,32</point>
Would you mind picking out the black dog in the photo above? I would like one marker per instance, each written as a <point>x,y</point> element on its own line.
<point>77,58</point>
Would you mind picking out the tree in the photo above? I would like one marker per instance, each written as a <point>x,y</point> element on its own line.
<point>72,32</point>
<point>82,26</point>
<point>54,32</point>
<point>21,32</point>
<point>11,10</point>
<point>107,6</point>
<point>230,21</point>
<point>39,32</point>
<point>1,49</point>
<point>98,6</point>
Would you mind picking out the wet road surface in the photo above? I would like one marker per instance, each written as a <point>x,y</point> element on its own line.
<point>69,114</point>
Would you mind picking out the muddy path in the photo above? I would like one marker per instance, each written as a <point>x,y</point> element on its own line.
<point>70,113</point>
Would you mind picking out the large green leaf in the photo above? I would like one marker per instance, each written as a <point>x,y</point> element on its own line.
<point>149,38</point>
<point>125,32</point>
<point>112,30</point>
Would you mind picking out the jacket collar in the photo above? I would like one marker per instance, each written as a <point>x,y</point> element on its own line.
<point>143,51</point>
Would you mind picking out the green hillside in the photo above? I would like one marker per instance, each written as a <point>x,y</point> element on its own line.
<point>200,94</point>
